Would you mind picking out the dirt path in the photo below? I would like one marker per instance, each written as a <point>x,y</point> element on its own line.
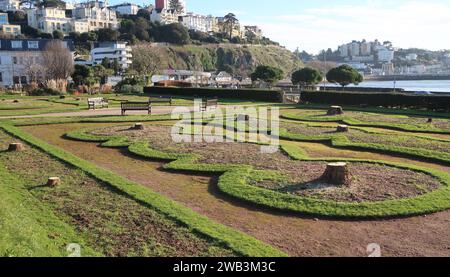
<point>417,236</point>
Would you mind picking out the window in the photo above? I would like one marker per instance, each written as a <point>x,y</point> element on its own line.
<point>16,44</point>
<point>23,80</point>
<point>1,77</point>
<point>33,44</point>
<point>14,60</point>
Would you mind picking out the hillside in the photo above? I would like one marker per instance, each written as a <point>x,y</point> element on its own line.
<point>239,59</point>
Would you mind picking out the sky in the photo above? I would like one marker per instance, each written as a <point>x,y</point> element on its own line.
<point>320,24</point>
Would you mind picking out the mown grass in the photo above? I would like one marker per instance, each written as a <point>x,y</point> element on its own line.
<point>423,128</point>
<point>28,227</point>
<point>237,241</point>
<point>342,141</point>
<point>236,181</point>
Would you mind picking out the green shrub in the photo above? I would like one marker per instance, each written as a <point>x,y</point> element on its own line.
<point>432,102</point>
<point>242,94</point>
<point>45,91</point>
<point>131,89</point>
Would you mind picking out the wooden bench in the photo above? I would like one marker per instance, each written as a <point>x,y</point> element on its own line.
<point>99,102</point>
<point>211,103</point>
<point>163,99</point>
<point>136,106</point>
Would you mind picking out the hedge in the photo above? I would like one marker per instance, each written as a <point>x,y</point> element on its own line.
<point>434,102</point>
<point>242,94</point>
<point>236,181</point>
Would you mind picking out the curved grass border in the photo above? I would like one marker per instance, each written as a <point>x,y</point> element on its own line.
<point>354,122</point>
<point>341,141</point>
<point>237,241</point>
<point>236,181</point>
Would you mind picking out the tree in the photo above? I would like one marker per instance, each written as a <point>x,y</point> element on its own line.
<point>57,34</point>
<point>344,75</point>
<point>145,60</point>
<point>306,76</point>
<point>81,73</point>
<point>144,13</point>
<point>230,21</point>
<point>176,6</point>
<point>107,34</point>
<point>106,63</point>
<point>267,74</point>
<point>173,33</point>
<point>57,61</point>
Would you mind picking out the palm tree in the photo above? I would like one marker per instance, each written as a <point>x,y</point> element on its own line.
<point>230,21</point>
<point>176,6</point>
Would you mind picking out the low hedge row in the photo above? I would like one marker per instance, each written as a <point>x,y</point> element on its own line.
<point>355,122</point>
<point>237,241</point>
<point>432,102</point>
<point>236,181</point>
<point>241,94</point>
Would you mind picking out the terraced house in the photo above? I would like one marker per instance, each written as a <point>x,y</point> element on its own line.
<point>19,56</point>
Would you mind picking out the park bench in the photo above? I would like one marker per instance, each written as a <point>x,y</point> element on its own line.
<point>211,103</point>
<point>163,99</point>
<point>99,102</point>
<point>136,106</point>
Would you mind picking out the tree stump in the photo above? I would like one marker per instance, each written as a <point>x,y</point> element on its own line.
<point>17,147</point>
<point>342,128</point>
<point>53,181</point>
<point>337,173</point>
<point>335,110</point>
<point>16,101</point>
<point>430,120</point>
<point>138,126</point>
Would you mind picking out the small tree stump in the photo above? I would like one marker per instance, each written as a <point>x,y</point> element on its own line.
<point>53,181</point>
<point>430,120</point>
<point>16,147</point>
<point>16,101</point>
<point>342,128</point>
<point>138,126</point>
<point>335,110</point>
<point>337,173</point>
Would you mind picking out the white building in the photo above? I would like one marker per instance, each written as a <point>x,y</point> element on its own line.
<point>17,56</point>
<point>255,30</point>
<point>366,48</point>
<point>199,22</point>
<point>354,49</point>
<point>118,51</point>
<point>9,5</point>
<point>48,20</point>
<point>96,14</point>
<point>411,57</point>
<point>126,8</point>
<point>164,16</point>
<point>343,50</point>
<point>385,55</point>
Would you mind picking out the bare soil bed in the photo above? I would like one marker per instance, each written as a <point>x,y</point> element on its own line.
<point>112,223</point>
<point>369,182</point>
<point>359,136</point>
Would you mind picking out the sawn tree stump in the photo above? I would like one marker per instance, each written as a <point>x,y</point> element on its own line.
<point>337,173</point>
<point>53,181</point>
<point>335,110</point>
<point>16,147</point>
<point>342,128</point>
<point>138,126</point>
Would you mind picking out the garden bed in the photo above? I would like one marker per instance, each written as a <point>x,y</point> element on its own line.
<point>370,182</point>
<point>111,222</point>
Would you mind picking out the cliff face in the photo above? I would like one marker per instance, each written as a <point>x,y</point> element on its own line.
<point>239,59</point>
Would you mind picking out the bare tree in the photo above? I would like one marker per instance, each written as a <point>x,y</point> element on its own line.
<point>33,69</point>
<point>146,61</point>
<point>57,61</point>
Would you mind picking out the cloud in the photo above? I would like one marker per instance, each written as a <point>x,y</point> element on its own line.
<point>421,24</point>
